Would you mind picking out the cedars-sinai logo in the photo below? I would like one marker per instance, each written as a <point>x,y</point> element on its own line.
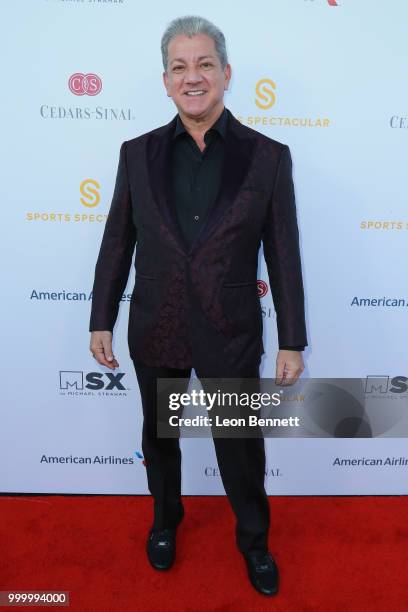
<point>329,2</point>
<point>262,288</point>
<point>85,84</point>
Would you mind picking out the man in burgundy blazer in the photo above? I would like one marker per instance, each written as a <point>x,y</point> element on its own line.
<point>196,305</point>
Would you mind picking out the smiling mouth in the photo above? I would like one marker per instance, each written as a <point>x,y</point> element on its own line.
<point>195,93</point>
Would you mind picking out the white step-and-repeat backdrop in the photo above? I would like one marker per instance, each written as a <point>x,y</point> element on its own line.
<point>326,77</point>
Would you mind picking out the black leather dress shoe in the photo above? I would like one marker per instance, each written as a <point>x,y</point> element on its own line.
<point>263,572</point>
<point>161,548</point>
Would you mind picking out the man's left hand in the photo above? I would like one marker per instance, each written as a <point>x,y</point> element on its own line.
<point>289,366</point>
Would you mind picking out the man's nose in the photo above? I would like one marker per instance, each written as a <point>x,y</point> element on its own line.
<point>192,75</point>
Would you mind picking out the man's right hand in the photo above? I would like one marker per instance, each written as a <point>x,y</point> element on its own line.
<point>101,349</point>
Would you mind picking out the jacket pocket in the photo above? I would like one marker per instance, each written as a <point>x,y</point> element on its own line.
<point>253,189</point>
<point>145,276</point>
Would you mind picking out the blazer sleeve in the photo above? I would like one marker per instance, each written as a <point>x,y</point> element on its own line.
<point>282,256</point>
<point>115,253</point>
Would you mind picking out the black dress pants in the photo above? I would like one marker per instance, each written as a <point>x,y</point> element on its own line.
<point>241,463</point>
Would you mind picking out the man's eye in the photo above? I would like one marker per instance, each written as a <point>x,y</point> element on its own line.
<point>205,64</point>
<point>177,68</point>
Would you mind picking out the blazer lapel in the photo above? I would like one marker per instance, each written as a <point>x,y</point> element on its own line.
<point>159,165</point>
<point>238,157</point>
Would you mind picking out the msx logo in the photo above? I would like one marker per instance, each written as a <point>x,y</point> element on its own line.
<point>385,384</point>
<point>94,381</point>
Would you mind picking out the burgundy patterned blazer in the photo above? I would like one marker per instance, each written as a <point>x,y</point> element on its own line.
<point>198,306</point>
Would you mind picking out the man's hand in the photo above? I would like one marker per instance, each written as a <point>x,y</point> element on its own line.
<point>289,366</point>
<point>101,349</point>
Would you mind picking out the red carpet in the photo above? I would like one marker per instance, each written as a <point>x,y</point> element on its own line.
<point>334,553</point>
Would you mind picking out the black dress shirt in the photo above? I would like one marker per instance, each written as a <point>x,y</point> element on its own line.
<point>196,174</point>
<point>196,178</point>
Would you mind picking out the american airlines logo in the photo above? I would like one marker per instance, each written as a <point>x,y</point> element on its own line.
<point>141,458</point>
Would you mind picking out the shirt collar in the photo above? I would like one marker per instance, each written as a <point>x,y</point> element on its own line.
<point>219,126</point>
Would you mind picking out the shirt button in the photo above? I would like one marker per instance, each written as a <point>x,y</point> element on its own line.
<point>196,217</point>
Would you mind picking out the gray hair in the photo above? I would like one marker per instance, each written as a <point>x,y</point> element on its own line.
<point>190,25</point>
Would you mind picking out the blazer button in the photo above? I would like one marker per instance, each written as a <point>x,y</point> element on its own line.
<point>196,217</point>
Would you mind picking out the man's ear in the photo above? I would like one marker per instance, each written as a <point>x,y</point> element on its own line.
<point>227,72</point>
<point>166,81</point>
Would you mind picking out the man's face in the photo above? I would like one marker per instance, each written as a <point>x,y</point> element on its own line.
<point>194,66</point>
